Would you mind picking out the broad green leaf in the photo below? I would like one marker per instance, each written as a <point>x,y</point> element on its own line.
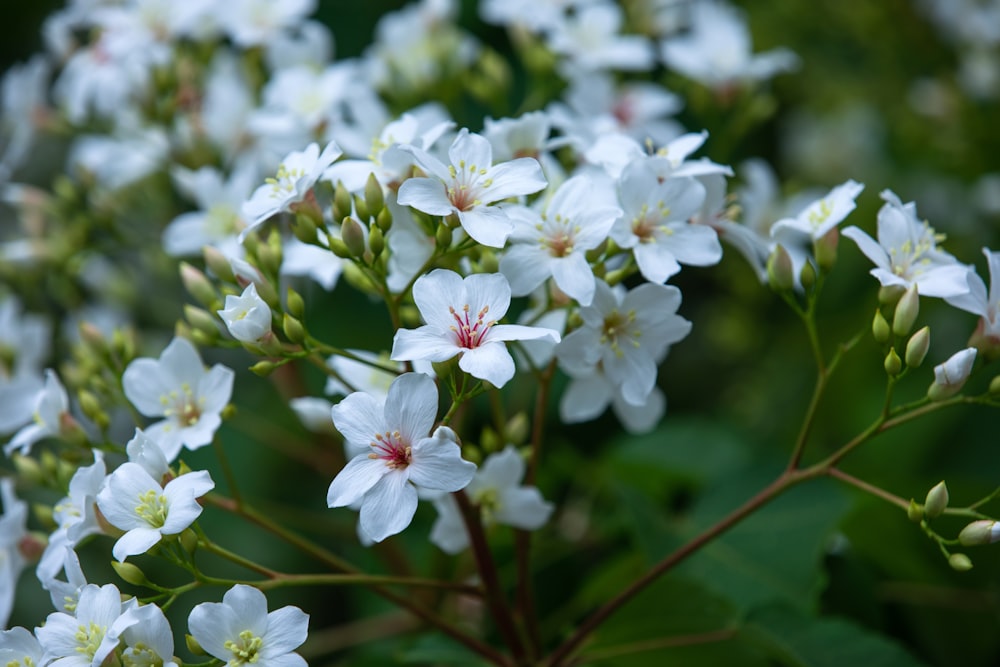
<point>797,640</point>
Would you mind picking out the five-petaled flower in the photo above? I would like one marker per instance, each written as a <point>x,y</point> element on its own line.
<point>461,316</point>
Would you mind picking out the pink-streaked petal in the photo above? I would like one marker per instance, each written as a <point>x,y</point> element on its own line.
<point>490,291</point>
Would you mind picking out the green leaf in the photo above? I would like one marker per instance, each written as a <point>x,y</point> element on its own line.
<point>797,640</point>
<point>775,553</point>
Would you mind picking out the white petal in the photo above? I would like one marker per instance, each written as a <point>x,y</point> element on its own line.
<point>355,480</point>
<point>389,507</point>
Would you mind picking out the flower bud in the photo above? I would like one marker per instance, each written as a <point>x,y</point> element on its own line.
<point>916,347</point>
<point>889,294</point>
<point>893,364</point>
<point>218,264</point>
<point>247,317</point>
<point>361,208</point>
<point>807,276</point>
<point>129,573</point>
<point>263,368</point>
<point>950,377</point>
<point>960,562</point>
<point>269,259</point>
<point>28,469</point>
<point>376,240</point>
<point>442,236</point>
<point>198,285</point>
<point>384,219</point>
<point>779,270</point>
<point>937,500</point>
<point>880,328</point>
<point>304,229</point>
<point>490,441</point>
<point>294,303</point>
<point>338,247</point>
<point>995,386</point>
<point>293,329</point>
<point>914,512</point>
<point>825,250</point>
<point>977,533</point>
<point>374,198</point>
<point>341,202</point>
<point>517,428</point>
<point>193,646</point>
<point>907,309</point>
<point>353,237</point>
<point>201,320</point>
<point>189,540</point>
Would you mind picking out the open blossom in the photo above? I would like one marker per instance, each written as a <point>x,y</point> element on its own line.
<point>395,454</point>
<point>626,335</point>
<point>133,501</point>
<point>13,529</point>
<point>950,376</point>
<point>906,252</point>
<point>554,243</point>
<point>51,410</point>
<point>178,388</point>
<point>981,302</point>
<point>88,635</point>
<point>461,316</point>
<point>148,639</point>
<point>19,648</point>
<point>590,391</point>
<point>240,631</point>
<point>496,488</point>
<point>247,316</point>
<point>75,515</point>
<point>294,180</point>
<point>468,186</point>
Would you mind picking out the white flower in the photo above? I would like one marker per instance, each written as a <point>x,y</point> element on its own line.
<point>314,413</point>
<point>247,316</point>
<point>655,223</point>
<point>177,387</point>
<point>75,516</point>
<point>590,40</point>
<point>240,631</point>
<point>554,243</point>
<point>133,501</point>
<point>66,594</point>
<point>907,252</point>
<point>87,637</point>
<point>19,648</point>
<point>13,529</point>
<point>148,639</point>
<point>950,376</point>
<point>461,317</point>
<point>395,455</point>
<point>627,336</point>
<point>469,184</point>
<point>51,410</point>
<point>797,235</point>
<point>980,302</point>
<point>258,22</point>
<point>294,180</point>
<point>218,220</point>
<point>589,393</point>
<point>496,489</point>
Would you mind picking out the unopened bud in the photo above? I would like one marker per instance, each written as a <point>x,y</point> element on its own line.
<point>28,469</point>
<point>304,229</point>
<point>338,247</point>
<point>807,276</point>
<point>889,294</point>
<point>189,540</point>
<point>907,309</point>
<point>995,386</point>
<point>779,270</point>
<point>218,264</point>
<point>950,377</point>
<point>263,368</point>
<point>825,250</point>
<point>296,306</point>
<point>517,428</point>
<point>490,441</point>
<point>293,329</point>
<point>914,512</point>
<point>374,198</point>
<point>198,285</point>
<point>384,219</point>
<point>353,236</point>
<point>960,562</point>
<point>91,408</point>
<point>92,336</point>
<point>341,202</point>
<point>978,533</point>
<point>442,236</point>
<point>472,454</point>
<point>916,347</point>
<point>201,320</point>
<point>269,259</point>
<point>361,208</point>
<point>488,262</point>
<point>129,573</point>
<point>880,328</point>
<point>937,501</point>
<point>376,241</point>
<point>893,364</point>
<point>193,646</point>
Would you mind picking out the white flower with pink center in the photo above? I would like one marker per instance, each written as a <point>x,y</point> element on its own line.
<point>461,316</point>
<point>469,184</point>
<point>394,454</point>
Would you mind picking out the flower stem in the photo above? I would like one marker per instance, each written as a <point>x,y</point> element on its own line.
<point>878,492</point>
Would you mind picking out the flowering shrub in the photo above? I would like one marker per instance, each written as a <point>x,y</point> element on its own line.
<point>453,282</point>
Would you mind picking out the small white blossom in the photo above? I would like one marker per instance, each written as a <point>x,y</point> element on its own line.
<point>950,376</point>
<point>19,648</point>
<point>461,318</point>
<point>50,414</point>
<point>240,631</point>
<point>89,635</point>
<point>13,529</point>
<point>394,454</point>
<point>247,316</point>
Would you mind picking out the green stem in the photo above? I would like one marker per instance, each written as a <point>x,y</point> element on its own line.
<point>222,552</point>
<point>227,470</point>
<point>878,492</point>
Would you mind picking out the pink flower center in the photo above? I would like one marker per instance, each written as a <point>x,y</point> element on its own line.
<point>391,448</point>
<point>470,334</point>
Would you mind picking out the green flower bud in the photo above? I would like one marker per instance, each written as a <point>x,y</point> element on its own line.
<point>914,512</point>
<point>193,645</point>
<point>980,532</point>
<point>218,264</point>
<point>28,469</point>
<point>889,294</point>
<point>199,286</point>
<point>293,301</point>
<point>189,540</point>
<point>937,501</point>
<point>825,250</point>
<point>130,573</point>
<point>490,441</point>
<point>341,202</point>
<point>471,453</point>
<point>893,364</point>
<point>779,270</point>
<point>916,347</point>
<point>361,208</point>
<point>201,320</point>
<point>384,219</point>
<point>374,198</point>
<point>960,562</point>
<point>442,236</point>
<point>517,428</point>
<point>995,385</point>
<point>376,241</point>
<point>338,247</point>
<point>268,260</point>
<point>353,237</point>
<point>907,309</point>
<point>880,328</point>
<point>807,276</point>
<point>293,329</point>
<point>304,229</point>
<point>263,368</point>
